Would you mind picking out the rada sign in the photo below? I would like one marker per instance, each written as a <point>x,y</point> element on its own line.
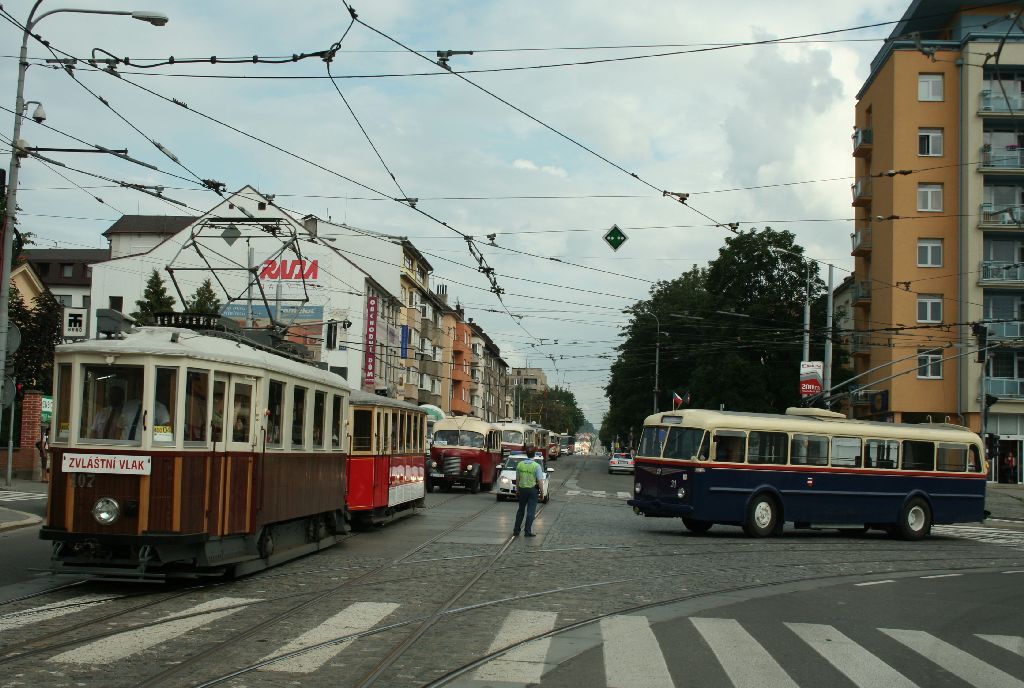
<point>286,269</point>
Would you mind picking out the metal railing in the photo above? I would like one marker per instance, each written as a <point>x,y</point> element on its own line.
<point>861,188</point>
<point>1005,330</point>
<point>862,137</point>
<point>997,214</point>
<point>861,291</point>
<point>861,239</point>
<point>993,100</point>
<point>1001,271</point>
<point>1004,157</point>
<point>1005,388</point>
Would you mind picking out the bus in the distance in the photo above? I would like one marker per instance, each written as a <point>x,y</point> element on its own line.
<point>809,467</point>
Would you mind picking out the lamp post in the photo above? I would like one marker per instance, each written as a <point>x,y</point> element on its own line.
<point>10,211</point>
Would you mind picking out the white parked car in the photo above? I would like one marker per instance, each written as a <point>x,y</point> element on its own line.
<point>620,462</point>
<point>507,478</point>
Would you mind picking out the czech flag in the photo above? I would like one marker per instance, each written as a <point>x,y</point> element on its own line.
<point>676,400</point>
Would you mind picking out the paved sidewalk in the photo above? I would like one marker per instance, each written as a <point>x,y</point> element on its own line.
<point>11,519</point>
<point>1005,501</point>
<point>18,485</point>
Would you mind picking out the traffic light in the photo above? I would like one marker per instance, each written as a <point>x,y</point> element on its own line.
<point>19,391</point>
<point>980,331</point>
<point>991,446</point>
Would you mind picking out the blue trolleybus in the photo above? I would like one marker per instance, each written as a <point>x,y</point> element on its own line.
<point>810,467</point>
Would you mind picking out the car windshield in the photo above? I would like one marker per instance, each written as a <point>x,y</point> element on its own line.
<point>512,436</point>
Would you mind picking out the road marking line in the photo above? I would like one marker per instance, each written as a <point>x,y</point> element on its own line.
<point>572,493</point>
<point>943,575</point>
<point>1021,571</point>
<point>888,580</point>
<point>50,611</point>
<point>597,493</point>
<point>967,667</point>
<point>744,660</point>
<point>1013,643</point>
<point>623,495</point>
<point>632,655</point>
<point>356,618</point>
<point>122,645</point>
<point>524,664</point>
<point>853,661</point>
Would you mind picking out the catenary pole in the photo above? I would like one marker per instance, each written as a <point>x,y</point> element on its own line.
<point>827,375</point>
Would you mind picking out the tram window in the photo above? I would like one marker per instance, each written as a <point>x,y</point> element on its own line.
<point>197,398</point>
<point>165,407</point>
<point>241,413</point>
<point>918,456</point>
<point>63,420</point>
<point>651,441</point>
<point>686,443</point>
<point>111,403</point>
<point>730,445</point>
<point>336,421</point>
<point>275,411</point>
<point>387,437</point>
<point>768,447</point>
<point>298,416</point>
<point>952,457</point>
<point>809,450</point>
<point>975,461</point>
<point>881,453</point>
<point>362,430</point>
<point>319,412</point>
<point>217,421</point>
<point>846,452</point>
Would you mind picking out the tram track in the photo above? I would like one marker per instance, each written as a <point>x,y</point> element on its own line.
<point>40,593</point>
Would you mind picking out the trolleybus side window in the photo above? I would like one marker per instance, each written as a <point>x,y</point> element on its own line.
<point>319,416</point>
<point>846,452</point>
<point>952,457</point>
<point>217,420</point>
<point>881,453</point>
<point>768,447</point>
<point>362,430</point>
<point>918,456</point>
<point>730,445</point>
<point>298,416</point>
<point>809,450</point>
<point>241,414</point>
<point>975,460</point>
<point>686,443</point>
<point>651,441</point>
<point>336,420</point>
<point>63,420</point>
<point>111,403</point>
<point>165,407</point>
<point>275,407</point>
<point>197,399</point>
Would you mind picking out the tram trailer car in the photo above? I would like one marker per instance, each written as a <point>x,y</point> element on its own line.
<point>810,467</point>
<point>184,453</point>
<point>466,452</point>
<point>386,460</point>
<point>517,437</point>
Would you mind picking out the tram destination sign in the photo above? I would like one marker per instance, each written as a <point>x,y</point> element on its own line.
<point>191,321</point>
<point>121,464</point>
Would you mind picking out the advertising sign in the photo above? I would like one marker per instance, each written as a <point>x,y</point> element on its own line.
<point>121,464</point>
<point>405,341</point>
<point>74,323</point>
<point>370,352</point>
<point>47,410</point>
<point>811,373</point>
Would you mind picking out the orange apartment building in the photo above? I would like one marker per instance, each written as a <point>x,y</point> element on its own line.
<point>939,223</point>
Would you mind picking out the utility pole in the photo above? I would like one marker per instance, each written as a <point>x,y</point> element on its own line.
<point>807,316</point>
<point>251,252</point>
<point>827,375</point>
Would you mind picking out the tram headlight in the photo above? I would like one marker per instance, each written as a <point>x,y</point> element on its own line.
<point>106,510</point>
<point>681,493</point>
<point>636,488</point>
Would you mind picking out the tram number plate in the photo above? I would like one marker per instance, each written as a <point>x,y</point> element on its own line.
<point>82,479</point>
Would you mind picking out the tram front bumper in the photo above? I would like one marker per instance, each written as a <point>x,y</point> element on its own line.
<point>651,506</point>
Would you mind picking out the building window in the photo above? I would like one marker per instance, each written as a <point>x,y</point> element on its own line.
<point>67,270</point>
<point>929,142</point>
<point>63,299</point>
<point>929,197</point>
<point>929,364</point>
<point>929,87</point>
<point>86,302</point>
<point>929,253</point>
<point>929,308</point>
<point>117,303</point>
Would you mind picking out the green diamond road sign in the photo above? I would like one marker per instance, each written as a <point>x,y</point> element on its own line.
<point>615,237</point>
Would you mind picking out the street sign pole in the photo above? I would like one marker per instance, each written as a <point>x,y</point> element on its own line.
<point>10,438</point>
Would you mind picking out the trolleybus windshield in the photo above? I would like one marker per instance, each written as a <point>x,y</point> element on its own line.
<point>459,438</point>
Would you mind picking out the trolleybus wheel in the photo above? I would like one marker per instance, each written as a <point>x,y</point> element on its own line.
<point>695,526</point>
<point>915,520</point>
<point>762,516</point>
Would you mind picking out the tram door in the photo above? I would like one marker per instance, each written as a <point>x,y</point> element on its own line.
<point>239,467</point>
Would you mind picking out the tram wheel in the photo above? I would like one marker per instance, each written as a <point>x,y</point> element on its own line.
<point>915,520</point>
<point>762,516</point>
<point>695,526</point>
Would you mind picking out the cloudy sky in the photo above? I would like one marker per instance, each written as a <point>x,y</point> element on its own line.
<point>711,123</point>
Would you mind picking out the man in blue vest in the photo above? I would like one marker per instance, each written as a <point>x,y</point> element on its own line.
<point>529,478</point>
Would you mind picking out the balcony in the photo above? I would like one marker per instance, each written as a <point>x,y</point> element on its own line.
<point>423,396</point>
<point>862,140</point>
<point>993,102</point>
<point>861,344</point>
<point>1005,388</point>
<point>1001,159</point>
<point>1005,330</point>
<point>861,293</point>
<point>1001,271</point>
<point>432,368</point>
<point>861,191</point>
<point>997,216</point>
<point>861,242</point>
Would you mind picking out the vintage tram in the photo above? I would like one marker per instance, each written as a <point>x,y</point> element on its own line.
<point>517,436</point>
<point>465,451</point>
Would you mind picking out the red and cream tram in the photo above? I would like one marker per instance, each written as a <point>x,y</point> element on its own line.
<point>180,451</point>
<point>387,438</point>
<point>465,451</point>
<point>517,436</point>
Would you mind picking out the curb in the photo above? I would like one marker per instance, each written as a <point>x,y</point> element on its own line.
<point>29,520</point>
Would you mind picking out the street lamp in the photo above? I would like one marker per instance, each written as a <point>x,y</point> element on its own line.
<point>657,351</point>
<point>20,106</point>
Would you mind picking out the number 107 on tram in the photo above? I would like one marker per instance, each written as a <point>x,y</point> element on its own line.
<point>809,467</point>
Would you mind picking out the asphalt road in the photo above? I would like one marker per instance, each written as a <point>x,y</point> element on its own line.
<point>601,597</point>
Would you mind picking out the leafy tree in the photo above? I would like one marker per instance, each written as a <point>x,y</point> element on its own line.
<point>155,299</point>
<point>40,328</point>
<point>204,300</point>
<point>554,409</point>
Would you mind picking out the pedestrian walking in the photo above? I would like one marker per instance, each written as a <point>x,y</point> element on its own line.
<point>529,478</point>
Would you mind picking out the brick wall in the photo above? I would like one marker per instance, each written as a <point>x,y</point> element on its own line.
<point>26,457</point>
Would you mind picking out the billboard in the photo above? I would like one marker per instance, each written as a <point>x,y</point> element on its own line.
<point>811,373</point>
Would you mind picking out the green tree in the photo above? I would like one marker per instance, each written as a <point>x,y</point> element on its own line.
<point>40,325</point>
<point>554,409</point>
<point>204,300</point>
<point>155,299</point>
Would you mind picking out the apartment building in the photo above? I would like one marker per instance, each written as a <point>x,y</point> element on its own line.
<point>939,223</point>
<point>532,379</point>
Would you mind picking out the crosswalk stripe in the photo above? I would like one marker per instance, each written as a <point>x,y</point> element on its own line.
<point>524,664</point>
<point>853,661</point>
<point>50,611</point>
<point>572,493</point>
<point>623,495</point>
<point>122,645</point>
<point>632,656</point>
<point>597,493</point>
<point>1013,643</point>
<point>356,618</point>
<point>744,660</point>
<point>954,660</point>
<point>14,495</point>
